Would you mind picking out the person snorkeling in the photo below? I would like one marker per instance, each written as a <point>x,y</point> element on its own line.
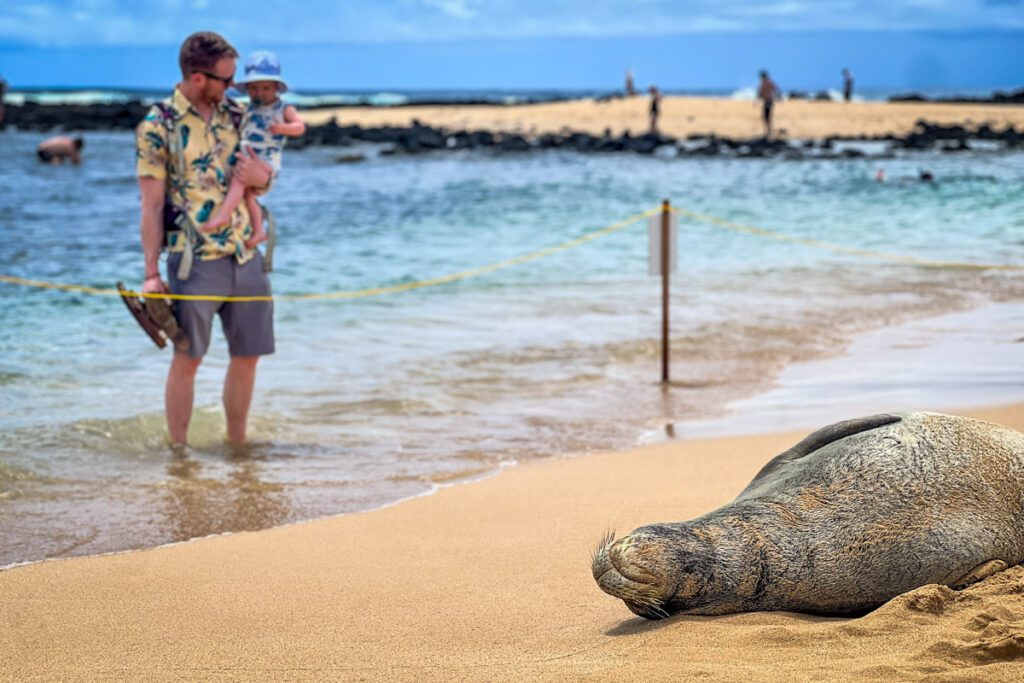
<point>923,176</point>
<point>60,147</point>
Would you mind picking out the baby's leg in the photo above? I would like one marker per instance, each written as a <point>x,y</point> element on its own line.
<point>256,218</point>
<point>222,216</point>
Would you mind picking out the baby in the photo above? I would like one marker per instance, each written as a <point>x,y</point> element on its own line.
<point>266,123</point>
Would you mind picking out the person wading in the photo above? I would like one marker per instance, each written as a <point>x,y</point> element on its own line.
<point>187,152</point>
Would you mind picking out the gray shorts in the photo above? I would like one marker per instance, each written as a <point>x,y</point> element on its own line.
<point>248,325</point>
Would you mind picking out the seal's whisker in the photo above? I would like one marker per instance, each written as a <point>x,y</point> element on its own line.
<point>602,545</point>
<point>660,611</point>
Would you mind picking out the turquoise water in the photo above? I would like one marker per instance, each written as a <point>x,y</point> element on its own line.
<point>371,400</point>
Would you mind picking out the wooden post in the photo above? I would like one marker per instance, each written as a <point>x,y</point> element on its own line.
<point>666,266</point>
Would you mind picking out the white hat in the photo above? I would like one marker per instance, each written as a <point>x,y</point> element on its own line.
<point>263,66</point>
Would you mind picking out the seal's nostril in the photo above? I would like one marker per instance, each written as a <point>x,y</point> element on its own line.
<point>636,560</point>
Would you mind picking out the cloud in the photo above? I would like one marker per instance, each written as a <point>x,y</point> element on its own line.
<point>162,22</point>
<point>460,9</point>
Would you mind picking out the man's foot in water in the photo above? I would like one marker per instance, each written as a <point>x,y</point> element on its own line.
<point>257,237</point>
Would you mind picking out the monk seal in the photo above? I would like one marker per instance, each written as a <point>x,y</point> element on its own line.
<point>852,516</point>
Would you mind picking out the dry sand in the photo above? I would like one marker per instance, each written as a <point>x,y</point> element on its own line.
<point>484,581</point>
<point>682,116</point>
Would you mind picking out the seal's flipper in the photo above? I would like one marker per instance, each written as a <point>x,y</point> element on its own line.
<point>979,573</point>
<point>138,310</point>
<point>840,430</point>
<point>155,317</point>
<point>268,253</point>
<point>820,439</point>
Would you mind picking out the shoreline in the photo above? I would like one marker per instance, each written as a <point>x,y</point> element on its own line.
<point>915,362</point>
<point>771,409</point>
<point>484,581</point>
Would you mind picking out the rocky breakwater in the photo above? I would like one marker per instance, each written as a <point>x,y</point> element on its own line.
<point>419,138</point>
<point>998,97</point>
<point>75,117</point>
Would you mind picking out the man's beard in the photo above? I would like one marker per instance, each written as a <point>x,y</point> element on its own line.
<point>213,95</point>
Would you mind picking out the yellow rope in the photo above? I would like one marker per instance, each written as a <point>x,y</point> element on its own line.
<point>526,258</point>
<point>375,291</point>
<point>867,253</point>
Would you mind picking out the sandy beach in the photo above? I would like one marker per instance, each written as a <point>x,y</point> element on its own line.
<point>484,581</point>
<point>683,116</point>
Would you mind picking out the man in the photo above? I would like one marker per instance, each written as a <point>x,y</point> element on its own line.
<point>655,108</point>
<point>768,92</point>
<point>187,149</point>
<point>847,85</point>
<point>60,147</point>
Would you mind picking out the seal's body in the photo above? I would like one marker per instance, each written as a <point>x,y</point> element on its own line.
<point>852,516</point>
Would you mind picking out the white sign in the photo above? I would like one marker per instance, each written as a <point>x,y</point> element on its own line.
<point>654,238</point>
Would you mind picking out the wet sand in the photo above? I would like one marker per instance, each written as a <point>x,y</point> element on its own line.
<point>682,116</point>
<point>484,581</point>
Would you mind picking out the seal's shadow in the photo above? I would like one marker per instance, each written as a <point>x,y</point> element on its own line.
<point>641,625</point>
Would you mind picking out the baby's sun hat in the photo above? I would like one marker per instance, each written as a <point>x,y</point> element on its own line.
<point>263,66</point>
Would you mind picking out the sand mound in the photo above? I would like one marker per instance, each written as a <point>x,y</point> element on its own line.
<point>973,634</point>
<point>933,633</point>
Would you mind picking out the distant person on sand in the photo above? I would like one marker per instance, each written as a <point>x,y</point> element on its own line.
<point>655,107</point>
<point>630,88</point>
<point>60,147</point>
<point>3,92</point>
<point>266,123</point>
<point>768,92</point>
<point>847,85</point>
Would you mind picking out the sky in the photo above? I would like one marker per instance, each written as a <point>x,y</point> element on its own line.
<point>517,44</point>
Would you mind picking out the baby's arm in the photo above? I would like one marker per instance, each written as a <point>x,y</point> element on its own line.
<point>293,125</point>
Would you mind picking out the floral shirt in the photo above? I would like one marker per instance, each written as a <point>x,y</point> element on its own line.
<point>200,184</point>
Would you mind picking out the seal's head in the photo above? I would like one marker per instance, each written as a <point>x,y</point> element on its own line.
<point>657,570</point>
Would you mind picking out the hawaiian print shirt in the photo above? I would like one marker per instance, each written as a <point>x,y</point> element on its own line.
<point>200,184</point>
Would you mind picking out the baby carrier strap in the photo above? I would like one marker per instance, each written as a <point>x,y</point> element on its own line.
<point>177,219</point>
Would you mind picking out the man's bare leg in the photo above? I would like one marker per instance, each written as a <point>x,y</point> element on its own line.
<point>238,386</point>
<point>178,395</point>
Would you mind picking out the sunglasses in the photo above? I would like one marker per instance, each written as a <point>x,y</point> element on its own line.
<point>226,81</point>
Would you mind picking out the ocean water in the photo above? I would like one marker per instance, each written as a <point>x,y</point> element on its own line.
<point>372,400</point>
<point>390,98</point>
<point>305,98</point>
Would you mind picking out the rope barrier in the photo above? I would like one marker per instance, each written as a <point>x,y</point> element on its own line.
<point>838,248</point>
<point>357,294</point>
<point>526,258</point>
